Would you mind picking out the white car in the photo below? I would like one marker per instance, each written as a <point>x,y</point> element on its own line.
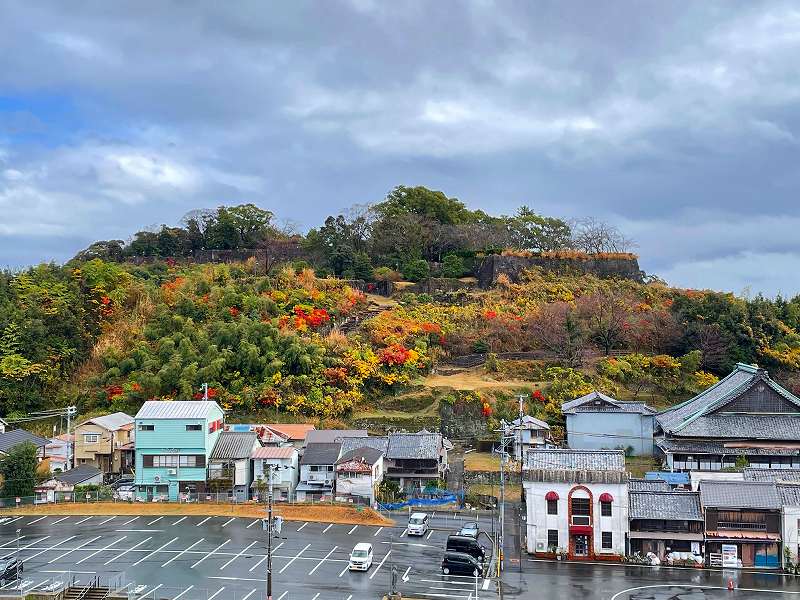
<point>125,492</point>
<point>361,557</point>
<point>417,524</point>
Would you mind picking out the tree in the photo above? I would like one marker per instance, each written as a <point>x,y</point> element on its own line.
<point>530,231</point>
<point>104,250</point>
<point>593,236</point>
<point>252,223</point>
<point>453,266</point>
<point>18,468</point>
<point>416,270</point>
<point>556,329</point>
<point>606,316</point>
<point>423,202</point>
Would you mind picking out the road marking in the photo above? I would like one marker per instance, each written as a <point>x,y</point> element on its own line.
<point>186,591</point>
<point>316,596</point>
<point>59,520</point>
<point>182,552</point>
<point>74,549</point>
<point>429,535</point>
<point>16,519</point>
<point>346,567</point>
<point>702,587</point>
<point>154,552</point>
<point>34,542</point>
<point>263,558</point>
<point>138,530</point>
<point>229,521</point>
<point>404,578</point>
<point>107,520</point>
<point>353,529</point>
<point>101,549</point>
<point>253,523</point>
<point>203,521</point>
<point>144,541</point>
<point>350,597</point>
<point>282,595</point>
<point>301,526</point>
<point>326,529</point>
<point>217,593</point>
<point>377,532</point>
<point>156,520</point>
<point>405,531</point>
<point>179,520</point>
<point>238,555</point>
<point>409,544</point>
<point>471,581</point>
<point>375,572</point>
<point>210,554</point>
<point>253,591</point>
<point>37,520</point>
<point>486,583</point>
<point>153,591</point>
<point>286,566</point>
<point>83,520</point>
<point>311,572</point>
<point>130,520</point>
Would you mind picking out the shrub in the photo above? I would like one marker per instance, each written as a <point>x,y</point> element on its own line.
<point>416,270</point>
<point>452,266</point>
<point>386,274</point>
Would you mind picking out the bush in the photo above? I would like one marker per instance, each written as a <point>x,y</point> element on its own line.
<point>452,266</point>
<point>386,274</point>
<point>416,270</point>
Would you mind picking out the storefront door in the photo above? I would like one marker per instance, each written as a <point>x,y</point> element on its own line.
<point>581,545</point>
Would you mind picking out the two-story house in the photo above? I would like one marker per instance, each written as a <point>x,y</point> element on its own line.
<point>742,523</point>
<point>318,471</point>
<point>174,441</point>
<point>358,475</point>
<point>663,519</point>
<point>106,442</point>
<point>529,433</point>
<point>230,468</point>
<point>282,462</point>
<point>292,433</point>
<point>414,460</point>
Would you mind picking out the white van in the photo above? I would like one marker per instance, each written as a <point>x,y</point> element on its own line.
<point>417,524</point>
<point>361,557</point>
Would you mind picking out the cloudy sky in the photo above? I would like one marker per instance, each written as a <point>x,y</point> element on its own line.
<point>677,121</point>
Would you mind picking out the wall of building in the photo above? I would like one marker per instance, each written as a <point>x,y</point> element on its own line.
<point>595,431</point>
<point>791,533</point>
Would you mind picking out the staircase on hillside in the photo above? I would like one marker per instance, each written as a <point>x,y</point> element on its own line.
<point>353,322</point>
<point>86,593</point>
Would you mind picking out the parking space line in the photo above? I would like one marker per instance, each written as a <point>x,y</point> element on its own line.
<point>154,552</point>
<point>179,520</point>
<point>282,595</point>
<point>182,552</point>
<point>229,521</point>
<point>107,520</point>
<point>84,559</point>
<point>217,593</point>
<point>238,555</point>
<point>83,520</point>
<point>86,543</point>
<point>156,520</point>
<point>210,554</point>
<point>37,520</point>
<point>311,572</point>
<point>375,572</point>
<point>352,530</point>
<point>301,526</point>
<point>50,548</point>
<point>253,591</point>
<point>253,523</point>
<point>350,597</point>
<point>328,527</point>
<point>186,591</point>
<point>429,535</point>
<point>377,532</point>
<point>33,543</point>
<point>59,520</point>
<point>153,591</point>
<point>346,567</point>
<point>486,583</point>
<point>203,521</point>
<point>124,552</point>
<point>263,558</point>
<point>130,520</point>
<point>405,531</point>
<point>405,575</point>
<point>14,519</point>
<point>296,556</point>
<point>316,596</point>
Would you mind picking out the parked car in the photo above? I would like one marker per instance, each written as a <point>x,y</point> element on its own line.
<point>469,529</point>
<point>10,567</point>
<point>417,524</point>
<point>122,481</point>
<point>467,545</point>
<point>461,563</point>
<point>361,557</point>
<point>125,492</point>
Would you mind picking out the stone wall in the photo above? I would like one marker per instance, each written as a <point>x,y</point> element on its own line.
<point>462,420</point>
<point>490,268</point>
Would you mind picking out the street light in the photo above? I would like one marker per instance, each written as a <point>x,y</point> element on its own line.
<point>18,532</point>
<point>271,469</point>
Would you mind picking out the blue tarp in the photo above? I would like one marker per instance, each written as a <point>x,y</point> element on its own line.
<point>438,500</point>
<point>670,478</point>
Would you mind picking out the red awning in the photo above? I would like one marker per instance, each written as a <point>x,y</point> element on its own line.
<point>606,497</point>
<point>581,529</point>
<point>551,496</point>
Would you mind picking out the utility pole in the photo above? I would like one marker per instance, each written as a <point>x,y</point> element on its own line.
<point>205,391</point>
<point>71,412</point>
<point>17,561</point>
<point>505,439</point>
<point>269,536</point>
<point>522,503</point>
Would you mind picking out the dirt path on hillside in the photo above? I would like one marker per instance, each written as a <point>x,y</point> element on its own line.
<point>473,381</point>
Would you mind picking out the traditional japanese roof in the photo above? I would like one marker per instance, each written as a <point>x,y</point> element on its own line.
<point>113,422</point>
<point>378,442</point>
<point>328,436</point>
<point>599,402</point>
<point>714,412</point>
<point>234,444</point>
<point>682,446</point>
<point>575,460</point>
<point>15,437</point>
<point>294,432</point>
<point>739,494</point>
<point>274,452</point>
<point>753,474</point>
<point>177,409</point>
<point>648,485</point>
<point>318,453</point>
<point>529,422</point>
<point>667,505</point>
<point>789,494</point>
<point>367,456</point>
<point>78,475</point>
<point>421,445</point>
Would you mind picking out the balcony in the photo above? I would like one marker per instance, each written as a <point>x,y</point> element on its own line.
<point>741,526</point>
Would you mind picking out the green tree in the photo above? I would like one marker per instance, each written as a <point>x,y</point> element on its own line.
<point>531,231</point>
<point>18,468</point>
<point>416,270</point>
<point>453,266</point>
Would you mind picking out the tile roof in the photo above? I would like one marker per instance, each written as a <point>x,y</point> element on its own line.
<point>112,422</point>
<point>704,447</point>
<point>606,404</point>
<point>274,452</point>
<point>369,455</point>
<point>648,485</point>
<point>740,426</point>
<point>177,409</point>
<point>668,505</point>
<point>739,494</point>
<point>234,444</point>
<point>327,436</point>
<point>319,453</point>
<point>575,460</point>
<point>78,475</point>
<point>378,442</point>
<point>789,494</point>
<point>753,474</point>
<point>292,431</point>
<point>422,445</point>
<point>12,438</point>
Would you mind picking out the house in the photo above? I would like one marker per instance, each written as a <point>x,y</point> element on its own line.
<point>789,494</point>
<point>414,460</point>
<point>648,485</point>
<point>106,442</point>
<point>674,480</point>
<point>597,421</point>
<point>174,440</point>
<point>742,523</point>
<point>359,472</point>
<point>58,451</point>
<point>532,433</point>
<point>15,437</point>
<point>665,520</point>
<point>745,417</point>
<point>62,486</point>
<point>284,462</point>
<point>266,436</point>
<point>229,467</point>
<point>3,425</point>
<point>378,442</point>
<point>329,436</point>
<point>577,503</point>
<point>317,471</point>
<point>293,433</point>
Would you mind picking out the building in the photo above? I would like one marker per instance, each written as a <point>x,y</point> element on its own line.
<point>358,475</point>
<point>745,417</point>
<point>577,503</point>
<point>174,441</point>
<point>106,442</point>
<point>229,467</point>
<point>293,433</point>
<point>648,485</point>
<point>15,437</point>
<point>58,451</point>
<point>742,523</point>
<point>532,433</point>
<point>664,520</point>
<point>329,436</point>
<point>415,460</point>
<point>789,494</point>
<point>597,421</point>
<point>318,471</point>
<point>62,486</point>
<point>3,425</point>
<point>284,462</point>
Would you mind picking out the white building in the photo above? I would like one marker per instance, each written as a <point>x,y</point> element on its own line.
<point>358,474</point>
<point>532,433</point>
<point>285,472</point>
<point>577,503</point>
<point>790,499</point>
<point>318,471</point>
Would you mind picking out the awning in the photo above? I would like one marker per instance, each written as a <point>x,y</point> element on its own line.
<point>606,497</point>
<point>551,495</point>
<point>581,529</point>
<point>754,536</point>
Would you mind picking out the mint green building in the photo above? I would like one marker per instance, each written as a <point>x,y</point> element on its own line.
<point>174,440</point>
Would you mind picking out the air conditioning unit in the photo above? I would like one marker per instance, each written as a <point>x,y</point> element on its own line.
<point>329,482</point>
<point>173,471</point>
<point>581,520</point>
<point>156,478</point>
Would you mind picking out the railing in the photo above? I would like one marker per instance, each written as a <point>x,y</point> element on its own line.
<point>742,526</point>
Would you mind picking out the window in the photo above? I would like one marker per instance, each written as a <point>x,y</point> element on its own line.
<point>194,428</point>
<point>143,427</point>
<point>552,507</point>
<point>605,509</point>
<point>607,540</point>
<point>580,506</point>
<point>552,538</point>
<point>91,438</point>
<point>188,461</point>
<point>165,461</point>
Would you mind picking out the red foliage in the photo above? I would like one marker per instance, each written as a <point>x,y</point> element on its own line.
<point>431,328</point>
<point>113,391</point>
<point>336,375</point>
<point>486,410</point>
<point>170,262</point>
<point>313,319</point>
<point>136,387</point>
<point>490,314</point>
<point>212,393</point>
<point>234,311</point>
<point>396,354</point>
<point>539,396</point>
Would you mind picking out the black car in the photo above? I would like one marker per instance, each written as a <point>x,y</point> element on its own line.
<point>467,545</point>
<point>8,569</point>
<point>460,563</point>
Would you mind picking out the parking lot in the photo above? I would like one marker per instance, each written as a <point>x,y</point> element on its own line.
<point>203,558</point>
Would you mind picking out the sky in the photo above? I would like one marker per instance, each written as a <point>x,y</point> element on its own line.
<point>676,121</point>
